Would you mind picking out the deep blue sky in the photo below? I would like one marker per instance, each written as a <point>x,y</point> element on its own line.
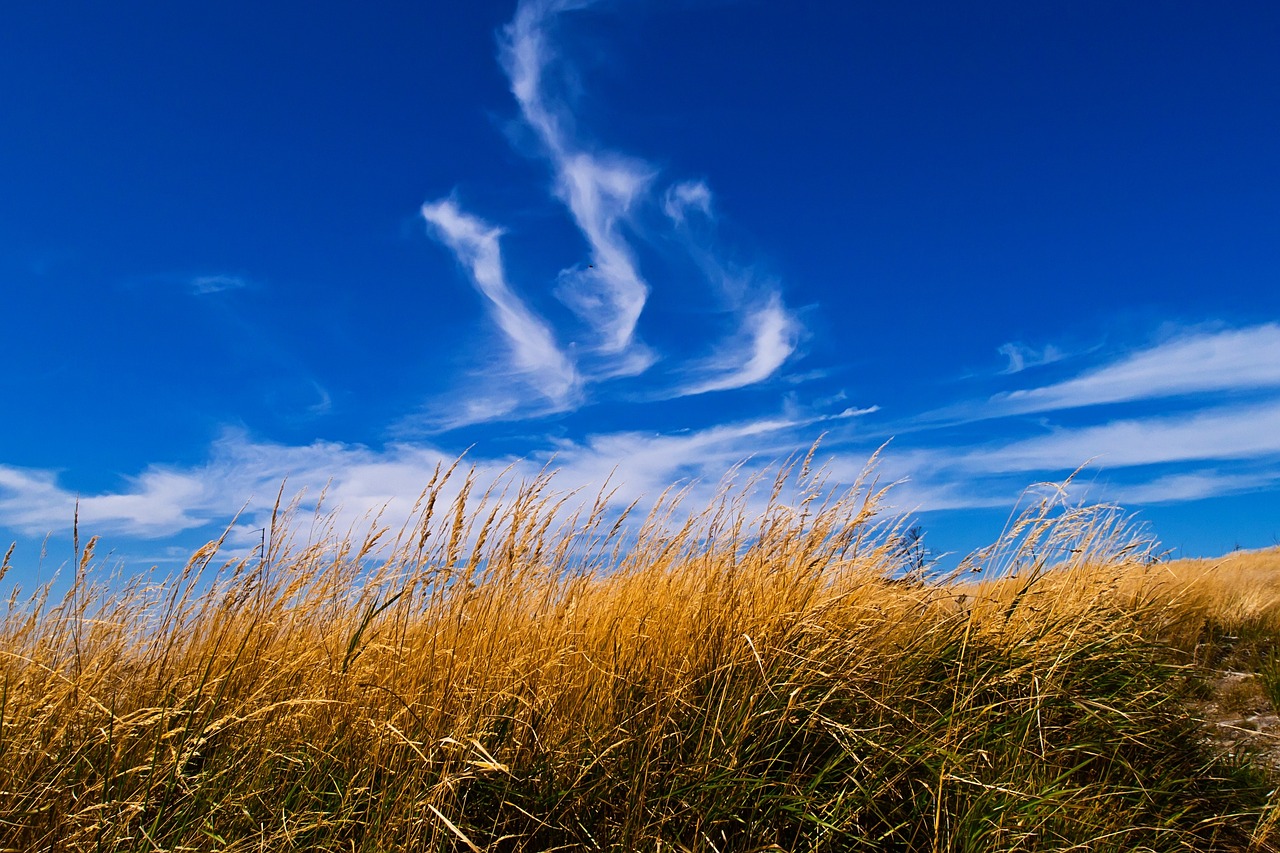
<point>244,241</point>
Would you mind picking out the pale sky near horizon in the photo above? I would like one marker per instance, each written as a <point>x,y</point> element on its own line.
<point>248,243</point>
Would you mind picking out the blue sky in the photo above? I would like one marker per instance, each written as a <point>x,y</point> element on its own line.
<point>247,242</point>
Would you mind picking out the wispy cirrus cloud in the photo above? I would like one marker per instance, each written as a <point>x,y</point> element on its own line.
<point>600,191</point>
<point>1190,362</point>
<point>158,502</point>
<point>1218,437</point>
<point>767,333</point>
<point>216,283</point>
<point>609,292</point>
<point>1224,449</point>
<point>1190,486</point>
<point>766,339</point>
<point>194,283</point>
<point>535,353</point>
<point>1022,357</point>
<point>1149,459</point>
<point>1223,432</point>
<point>357,480</point>
<point>686,196</point>
<point>238,473</point>
<point>603,191</point>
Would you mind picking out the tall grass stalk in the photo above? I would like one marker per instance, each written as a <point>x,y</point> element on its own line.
<point>509,673</point>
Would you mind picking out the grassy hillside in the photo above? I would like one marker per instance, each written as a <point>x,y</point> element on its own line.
<point>508,675</point>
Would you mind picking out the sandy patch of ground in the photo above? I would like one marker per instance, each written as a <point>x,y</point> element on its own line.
<point>1240,716</point>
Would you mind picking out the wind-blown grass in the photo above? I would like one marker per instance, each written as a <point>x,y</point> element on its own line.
<point>510,675</point>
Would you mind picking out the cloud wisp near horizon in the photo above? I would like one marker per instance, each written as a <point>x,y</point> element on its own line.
<point>1189,362</point>
<point>1232,447</point>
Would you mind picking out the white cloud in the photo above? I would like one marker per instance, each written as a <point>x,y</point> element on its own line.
<point>684,197</point>
<point>644,464</point>
<point>167,500</point>
<point>609,293</point>
<point>602,189</point>
<point>29,497</point>
<point>156,503</point>
<point>205,284</point>
<point>599,190</point>
<point>768,337</point>
<point>1157,458</point>
<point>1022,357</point>
<point>1189,486</point>
<point>324,401</point>
<point>767,332</point>
<point>534,350</point>
<point>1228,432</point>
<point>1228,360</point>
<point>526,56</point>
<point>357,480</point>
<point>465,407</point>
<point>852,412</point>
<point>239,472</point>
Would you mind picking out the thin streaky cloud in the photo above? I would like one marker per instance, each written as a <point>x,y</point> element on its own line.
<point>684,197</point>
<point>479,401</point>
<point>1228,360</point>
<point>599,190</point>
<point>1022,357</point>
<point>525,56</point>
<point>609,292</point>
<point>534,350</point>
<point>1227,432</point>
<point>767,334</point>
<point>854,412</point>
<point>168,500</point>
<point>159,502</point>
<point>324,401</point>
<point>474,408</point>
<point>1190,486</point>
<point>768,337</point>
<point>205,284</point>
<point>1133,456</point>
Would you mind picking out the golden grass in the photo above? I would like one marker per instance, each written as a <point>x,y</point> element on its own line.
<point>510,675</point>
<point>1239,593</point>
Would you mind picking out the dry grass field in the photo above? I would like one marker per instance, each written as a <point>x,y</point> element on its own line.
<point>506,674</point>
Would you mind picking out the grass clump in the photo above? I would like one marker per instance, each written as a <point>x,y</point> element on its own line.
<point>509,674</point>
<point>1269,676</point>
<point>1229,608</point>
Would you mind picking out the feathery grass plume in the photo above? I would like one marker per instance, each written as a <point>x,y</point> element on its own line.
<point>518,671</point>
